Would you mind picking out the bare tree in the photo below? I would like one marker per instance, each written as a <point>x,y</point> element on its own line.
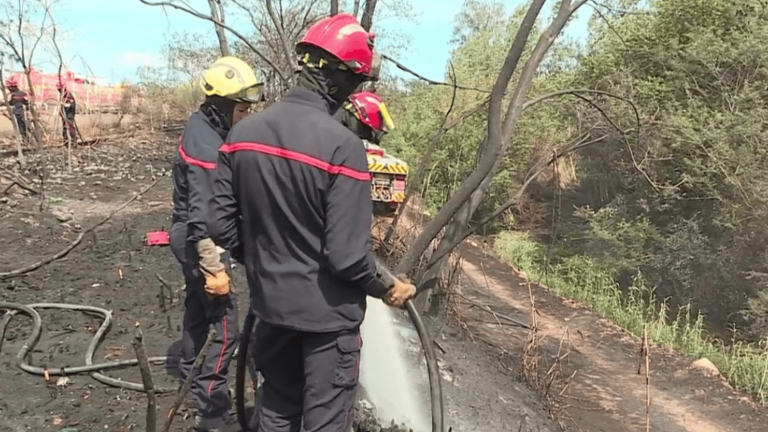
<point>277,27</point>
<point>12,117</point>
<point>21,36</point>
<point>217,14</point>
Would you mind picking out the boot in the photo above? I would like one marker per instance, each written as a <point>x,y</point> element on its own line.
<point>225,423</point>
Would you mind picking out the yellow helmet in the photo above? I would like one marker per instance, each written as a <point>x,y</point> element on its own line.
<point>231,78</point>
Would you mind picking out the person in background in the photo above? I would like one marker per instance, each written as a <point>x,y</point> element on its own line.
<point>19,100</point>
<point>367,116</point>
<point>230,86</point>
<point>68,109</point>
<point>292,194</point>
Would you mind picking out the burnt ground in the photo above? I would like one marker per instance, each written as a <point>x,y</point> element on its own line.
<point>114,269</point>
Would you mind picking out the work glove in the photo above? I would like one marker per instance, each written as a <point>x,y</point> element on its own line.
<point>217,283</point>
<point>399,293</point>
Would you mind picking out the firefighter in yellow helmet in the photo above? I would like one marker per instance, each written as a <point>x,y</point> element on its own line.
<point>230,85</point>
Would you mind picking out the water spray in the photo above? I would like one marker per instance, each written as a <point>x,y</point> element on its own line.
<point>433,372</point>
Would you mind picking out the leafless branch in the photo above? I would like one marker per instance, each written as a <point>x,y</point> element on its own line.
<point>281,34</point>
<point>217,16</point>
<point>146,377</point>
<point>430,81</point>
<point>230,29</point>
<point>190,378</point>
<point>476,178</point>
<point>538,169</point>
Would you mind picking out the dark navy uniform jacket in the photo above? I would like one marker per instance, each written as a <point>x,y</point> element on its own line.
<point>292,192</point>
<point>193,170</point>
<point>19,99</point>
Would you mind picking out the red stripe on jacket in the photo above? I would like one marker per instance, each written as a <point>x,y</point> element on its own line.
<point>196,162</point>
<point>298,157</point>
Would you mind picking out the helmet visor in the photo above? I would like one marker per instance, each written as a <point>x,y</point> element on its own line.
<point>249,95</point>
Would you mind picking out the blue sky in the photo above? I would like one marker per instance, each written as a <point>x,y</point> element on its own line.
<point>115,37</point>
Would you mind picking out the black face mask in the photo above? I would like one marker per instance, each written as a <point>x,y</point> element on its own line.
<point>220,112</point>
<point>330,81</point>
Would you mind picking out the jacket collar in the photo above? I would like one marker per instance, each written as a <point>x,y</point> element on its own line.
<point>304,96</point>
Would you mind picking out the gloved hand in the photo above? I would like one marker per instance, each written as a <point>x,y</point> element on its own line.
<point>399,293</point>
<point>217,283</point>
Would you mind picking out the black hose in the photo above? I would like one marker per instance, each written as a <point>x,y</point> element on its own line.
<point>34,337</point>
<point>433,371</point>
<point>242,361</point>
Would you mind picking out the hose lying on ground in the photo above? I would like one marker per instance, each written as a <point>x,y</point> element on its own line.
<point>94,369</point>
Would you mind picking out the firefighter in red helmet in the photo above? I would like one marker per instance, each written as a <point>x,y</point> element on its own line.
<point>366,115</point>
<point>18,100</point>
<point>292,195</point>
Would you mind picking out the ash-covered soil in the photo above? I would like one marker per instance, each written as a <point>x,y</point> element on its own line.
<point>113,268</point>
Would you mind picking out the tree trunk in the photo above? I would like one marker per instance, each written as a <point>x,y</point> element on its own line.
<point>486,164</point>
<point>356,8</point>
<point>334,7</point>
<point>367,20</point>
<point>459,224</point>
<point>217,13</point>
<point>37,133</point>
<point>283,41</point>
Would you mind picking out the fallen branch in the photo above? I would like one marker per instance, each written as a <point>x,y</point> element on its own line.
<point>66,250</point>
<point>162,291</point>
<point>146,377</point>
<point>497,315</point>
<point>190,378</point>
<point>15,183</point>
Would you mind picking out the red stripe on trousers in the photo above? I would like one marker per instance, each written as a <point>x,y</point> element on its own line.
<point>221,354</point>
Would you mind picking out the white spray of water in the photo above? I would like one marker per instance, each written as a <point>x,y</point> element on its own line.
<point>384,372</point>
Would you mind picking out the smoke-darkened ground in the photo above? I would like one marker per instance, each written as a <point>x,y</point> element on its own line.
<point>598,385</point>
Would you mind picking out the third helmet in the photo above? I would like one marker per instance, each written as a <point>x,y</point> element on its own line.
<point>343,37</point>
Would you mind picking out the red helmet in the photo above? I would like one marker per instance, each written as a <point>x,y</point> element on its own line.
<point>371,111</point>
<point>343,37</point>
<point>11,82</point>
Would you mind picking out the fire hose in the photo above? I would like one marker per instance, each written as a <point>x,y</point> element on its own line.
<point>433,372</point>
<point>95,369</point>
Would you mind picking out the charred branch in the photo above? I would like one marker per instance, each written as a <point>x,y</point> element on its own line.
<point>474,180</point>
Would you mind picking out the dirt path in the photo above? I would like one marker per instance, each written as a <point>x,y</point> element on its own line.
<point>606,393</point>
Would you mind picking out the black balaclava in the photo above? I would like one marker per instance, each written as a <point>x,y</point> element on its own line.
<point>333,84</point>
<point>360,129</point>
<point>219,111</point>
